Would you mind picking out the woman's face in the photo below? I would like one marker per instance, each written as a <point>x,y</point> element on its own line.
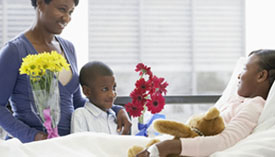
<point>248,77</point>
<point>55,15</point>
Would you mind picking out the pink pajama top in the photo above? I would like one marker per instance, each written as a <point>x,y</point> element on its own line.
<point>240,117</point>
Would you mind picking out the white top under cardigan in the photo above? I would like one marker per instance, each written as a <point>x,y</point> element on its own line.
<point>91,118</point>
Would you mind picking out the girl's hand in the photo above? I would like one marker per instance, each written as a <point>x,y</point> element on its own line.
<point>169,147</point>
<point>164,148</point>
<point>144,153</point>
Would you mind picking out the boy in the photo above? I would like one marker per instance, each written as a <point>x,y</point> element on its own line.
<point>99,86</point>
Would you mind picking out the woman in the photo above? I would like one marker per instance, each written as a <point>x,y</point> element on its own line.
<point>240,114</point>
<point>51,18</point>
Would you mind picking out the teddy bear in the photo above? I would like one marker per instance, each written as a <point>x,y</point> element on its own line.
<point>207,124</point>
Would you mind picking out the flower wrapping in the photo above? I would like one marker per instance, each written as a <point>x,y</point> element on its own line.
<point>43,70</point>
<point>144,127</point>
<point>147,96</point>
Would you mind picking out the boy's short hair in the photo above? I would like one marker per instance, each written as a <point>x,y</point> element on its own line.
<point>93,69</point>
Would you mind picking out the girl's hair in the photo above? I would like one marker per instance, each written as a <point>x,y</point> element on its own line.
<point>48,1</point>
<point>266,62</point>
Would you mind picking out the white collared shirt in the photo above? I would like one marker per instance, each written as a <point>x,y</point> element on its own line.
<point>91,118</point>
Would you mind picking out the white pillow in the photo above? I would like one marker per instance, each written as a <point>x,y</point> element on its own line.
<point>267,118</point>
<point>231,88</point>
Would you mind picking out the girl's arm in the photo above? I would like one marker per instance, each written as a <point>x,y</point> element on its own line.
<point>240,126</point>
<point>244,120</point>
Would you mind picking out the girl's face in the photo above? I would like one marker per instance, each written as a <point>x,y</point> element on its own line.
<point>247,86</point>
<point>55,15</point>
<point>103,92</point>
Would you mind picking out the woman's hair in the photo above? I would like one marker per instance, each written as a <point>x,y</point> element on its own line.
<point>91,70</point>
<point>266,62</point>
<point>48,1</point>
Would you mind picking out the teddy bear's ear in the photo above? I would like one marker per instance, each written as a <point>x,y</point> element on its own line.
<point>212,113</point>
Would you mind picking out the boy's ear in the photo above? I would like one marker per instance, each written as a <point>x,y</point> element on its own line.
<point>86,90</point>
<point>263,75</point>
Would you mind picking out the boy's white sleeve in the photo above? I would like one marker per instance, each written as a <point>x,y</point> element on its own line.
<point>78,122</point>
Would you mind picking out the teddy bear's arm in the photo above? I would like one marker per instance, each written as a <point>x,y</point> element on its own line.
<point>179,130</point>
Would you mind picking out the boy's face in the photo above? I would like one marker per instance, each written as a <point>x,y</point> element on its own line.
<point>102,91</point>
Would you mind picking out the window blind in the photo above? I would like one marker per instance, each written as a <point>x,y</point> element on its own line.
<point>189,42</point>
<point>218,34</point>
<point>114,32</point>
<point>16,16</point>
<point>166,34</point>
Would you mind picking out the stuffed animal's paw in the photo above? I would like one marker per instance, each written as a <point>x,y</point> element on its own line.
<point>134,150</point>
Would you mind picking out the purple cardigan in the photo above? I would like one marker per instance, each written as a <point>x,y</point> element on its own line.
<point>24,124</point>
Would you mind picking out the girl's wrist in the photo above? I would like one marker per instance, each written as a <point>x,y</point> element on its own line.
<point>169,147</point>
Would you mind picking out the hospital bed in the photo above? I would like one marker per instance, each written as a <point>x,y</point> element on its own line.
<point>260,143</point>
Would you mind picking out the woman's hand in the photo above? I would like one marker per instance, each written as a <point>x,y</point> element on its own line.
<point>40,136</point>
<point>124,121</point>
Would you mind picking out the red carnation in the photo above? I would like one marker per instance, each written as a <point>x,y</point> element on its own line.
<point>138,97</point>
<point>143,69</point>
<point>158,85</point>
<point>156,103</point>
<point>142,85</point>
<point>161,85</point>
<point>147,93</point>
<point>133,109</point>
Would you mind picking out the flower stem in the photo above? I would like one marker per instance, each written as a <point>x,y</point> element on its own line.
<point>141,117</point>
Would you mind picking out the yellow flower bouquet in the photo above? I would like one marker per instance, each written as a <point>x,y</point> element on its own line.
<point>43,70</point>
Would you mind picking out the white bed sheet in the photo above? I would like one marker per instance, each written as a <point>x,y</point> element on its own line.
<point>85,144</point>
<point>260,143</point>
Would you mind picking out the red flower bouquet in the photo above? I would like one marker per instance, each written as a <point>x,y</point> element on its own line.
<point>147,95</point>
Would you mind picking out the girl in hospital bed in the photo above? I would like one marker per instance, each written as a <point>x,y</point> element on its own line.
<point>240,114</point>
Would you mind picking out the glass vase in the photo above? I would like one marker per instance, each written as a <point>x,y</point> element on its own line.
<point>145,122</point>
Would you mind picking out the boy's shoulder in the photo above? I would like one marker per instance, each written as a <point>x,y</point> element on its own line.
<point>80,110</point>
<point>87,109</point>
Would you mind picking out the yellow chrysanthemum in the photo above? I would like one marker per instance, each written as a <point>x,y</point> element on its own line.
<point>36,65</point>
